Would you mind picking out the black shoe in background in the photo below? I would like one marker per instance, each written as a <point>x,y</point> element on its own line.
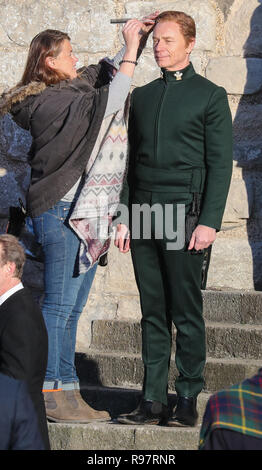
<point>148,412</point>
<point>185,413</point>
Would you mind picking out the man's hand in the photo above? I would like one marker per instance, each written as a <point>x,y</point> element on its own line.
<point>202,237</point>
<point>122,239</point>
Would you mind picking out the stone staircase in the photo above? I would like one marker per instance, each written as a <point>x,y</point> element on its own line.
<point>111,373</point>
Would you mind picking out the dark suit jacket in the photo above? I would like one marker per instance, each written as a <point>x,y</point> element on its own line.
<point>19,428</point>
<point>24,347</point>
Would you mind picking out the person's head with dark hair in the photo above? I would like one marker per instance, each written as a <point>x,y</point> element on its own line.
<point>12,260</point>
<point>174,37</point>
<point>50,59</point>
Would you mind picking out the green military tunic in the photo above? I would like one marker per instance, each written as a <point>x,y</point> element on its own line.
<point>180,134</point>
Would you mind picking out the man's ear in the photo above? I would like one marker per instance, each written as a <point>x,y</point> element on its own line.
<point>191,45</point>
<point>10,268</point>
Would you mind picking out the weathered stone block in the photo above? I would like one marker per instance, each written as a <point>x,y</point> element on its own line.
<point>91,436</point>
<point>105,436</point>
<point>235,74</point>
<point>222,340</point>
<point>202,12</point>
<point>126,370</point>
<point>237,206</point>
<point>243,29</point>
<point>129,307</point>
<point>119,274</point>
<point>244,198</point>
<point>12,66</point>
<point>147,69</point>
<point>235,265</point>
<point>82,19</point>
<point>98,306</point>
<point>236,306</point>
<point>225,6</point>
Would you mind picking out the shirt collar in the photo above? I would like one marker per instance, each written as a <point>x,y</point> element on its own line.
<point>178,76</point>
<point>10,292</point>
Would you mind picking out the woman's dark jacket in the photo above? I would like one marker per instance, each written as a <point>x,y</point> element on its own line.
<point>64,121</point>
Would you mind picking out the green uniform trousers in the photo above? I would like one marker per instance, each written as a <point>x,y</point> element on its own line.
<point>169,286</point>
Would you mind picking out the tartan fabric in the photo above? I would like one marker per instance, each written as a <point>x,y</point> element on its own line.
<point>239,408</point>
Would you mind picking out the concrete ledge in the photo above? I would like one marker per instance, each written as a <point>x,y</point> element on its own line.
<point>222,339</point>
<point>118,437</point>
<point>236,306</point>
<point>114,436</point>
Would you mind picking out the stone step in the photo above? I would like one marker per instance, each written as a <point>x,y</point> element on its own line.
<point>102,436</point>
<point>244,307</point>
<point>222,340</point>
<point>235,307</point>
<point>126,370</point>
<point>114,436</point>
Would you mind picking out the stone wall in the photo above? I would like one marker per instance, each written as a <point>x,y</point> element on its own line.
<point>228,51</point>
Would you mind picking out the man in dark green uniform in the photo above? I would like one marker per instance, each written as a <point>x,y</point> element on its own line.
<point>180,134</point>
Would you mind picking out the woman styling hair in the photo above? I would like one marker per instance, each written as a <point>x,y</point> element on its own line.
<point>65,110</point>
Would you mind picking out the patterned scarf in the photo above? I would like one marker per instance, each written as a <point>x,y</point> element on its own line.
<point>98,200</point>
<point>239,408</point>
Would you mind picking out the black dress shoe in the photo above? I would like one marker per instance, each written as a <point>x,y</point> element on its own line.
<point>185,413</point>
<point>148,412</point>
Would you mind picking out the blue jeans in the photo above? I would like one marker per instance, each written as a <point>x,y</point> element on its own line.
<point>66,293</point>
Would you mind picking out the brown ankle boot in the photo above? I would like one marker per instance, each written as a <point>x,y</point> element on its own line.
<point>61,410</point>
<point>77,403</point>
<point>57,408</point>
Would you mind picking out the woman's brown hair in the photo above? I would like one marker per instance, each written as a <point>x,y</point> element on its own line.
<point>45,44</point>
<point>186,23</point>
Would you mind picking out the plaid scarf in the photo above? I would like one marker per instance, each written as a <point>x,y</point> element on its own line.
<point>239,408</point>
